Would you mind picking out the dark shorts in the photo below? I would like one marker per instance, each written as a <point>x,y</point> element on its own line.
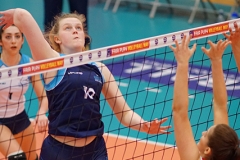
<point>16,123</point>
<point>55,150</point>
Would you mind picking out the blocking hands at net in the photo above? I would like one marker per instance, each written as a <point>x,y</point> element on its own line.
<point>75,125</point>
<point>219,142</point>
<point>234,37</point>
<point>17,137</point>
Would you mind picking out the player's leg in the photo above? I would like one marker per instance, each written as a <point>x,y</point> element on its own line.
<point>25,135</point>
<point>27,140</point>
<point>9,147</point>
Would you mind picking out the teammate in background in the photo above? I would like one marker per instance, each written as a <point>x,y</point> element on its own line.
<point>75,125</point>
<point>234,37</point>
<point>219,142</point>
<point>17,139</point>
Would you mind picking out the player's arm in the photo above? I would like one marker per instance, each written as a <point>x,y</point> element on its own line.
<point>186,144</point>
<point>21,18</point>
<point>219,88</point>
<point>121,109</point>
<point>41,118</point>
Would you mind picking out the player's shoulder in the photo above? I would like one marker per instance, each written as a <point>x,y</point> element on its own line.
<point>25,59</point>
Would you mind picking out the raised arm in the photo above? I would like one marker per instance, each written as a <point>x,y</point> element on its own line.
<point>123,112</point>
<point>28,26</point>
<point>41,119</point>
<point>186,144</point>
<point>234,37</point>
<point>219,88</point>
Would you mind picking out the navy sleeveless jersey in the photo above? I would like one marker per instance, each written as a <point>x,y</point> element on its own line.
<point>74,102</point>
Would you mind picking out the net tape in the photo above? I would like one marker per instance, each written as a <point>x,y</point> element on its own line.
<point>114,50</point>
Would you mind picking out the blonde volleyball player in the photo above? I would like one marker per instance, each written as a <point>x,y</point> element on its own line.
<point>17,140</point>
<point>75,125</point>
<point>219,142</point>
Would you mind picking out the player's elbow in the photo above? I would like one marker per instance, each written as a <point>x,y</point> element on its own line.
<point>180,108</point>
<point>20,14</point>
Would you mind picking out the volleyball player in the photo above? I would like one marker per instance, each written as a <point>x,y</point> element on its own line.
<point>219,142</point>
<point>75,126</point>
<point>17,139</point>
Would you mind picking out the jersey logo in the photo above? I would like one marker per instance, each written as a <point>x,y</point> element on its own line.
<point>89,92</point>
<point>75,73</point>
<point>97,79</point>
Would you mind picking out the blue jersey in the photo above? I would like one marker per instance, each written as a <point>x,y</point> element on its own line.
<point>74,102</point>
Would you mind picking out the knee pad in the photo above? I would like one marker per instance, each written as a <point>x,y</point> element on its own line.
<point>18,156</point>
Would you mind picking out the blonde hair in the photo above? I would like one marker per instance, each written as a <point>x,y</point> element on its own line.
<point>54,29</point>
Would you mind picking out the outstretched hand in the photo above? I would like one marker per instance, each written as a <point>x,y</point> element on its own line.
<point>6,18</point>
<point>182,52</point>
<point>154,127</point>
<point>215,51</point>
<point>234,36</point>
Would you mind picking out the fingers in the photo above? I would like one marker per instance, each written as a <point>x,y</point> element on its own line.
<point>204,50</point>
<point>236,26</point>
<point>163,120</point>
<point>226,43</point>
<point>172,48</point>
<point>212,44</point>
<point>154,127</point>
<point>42,126</point>
<point>226,35</point>
<point>223,44</point>
<point>193,47</point>
<point>188,39</point>
<point>42,123</point>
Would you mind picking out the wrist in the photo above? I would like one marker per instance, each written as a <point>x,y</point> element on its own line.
<point>236,49</point>
<point>183,64</point>
<point>216,60</point>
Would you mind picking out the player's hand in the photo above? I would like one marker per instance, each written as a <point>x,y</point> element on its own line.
<point>41,121</point>
<point>182,52</point>
<point>234,37</point>
<point>216,51</point>
<point>154,127</point>
<point>6,18</point>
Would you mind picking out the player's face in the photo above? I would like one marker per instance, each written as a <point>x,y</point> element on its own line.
<point>203,143</point>
<point>12,40</point>
<point>71,35</point>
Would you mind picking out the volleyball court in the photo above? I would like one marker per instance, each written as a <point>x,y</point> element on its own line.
<point>145,72</point>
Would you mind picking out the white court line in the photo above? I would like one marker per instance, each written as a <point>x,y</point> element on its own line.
<point>153,90</point>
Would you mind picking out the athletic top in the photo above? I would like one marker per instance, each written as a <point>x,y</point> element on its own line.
<point>74,102</point>
<point>12,92</point>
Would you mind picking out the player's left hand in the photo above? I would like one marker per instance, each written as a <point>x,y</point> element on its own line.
<point>154,127</point>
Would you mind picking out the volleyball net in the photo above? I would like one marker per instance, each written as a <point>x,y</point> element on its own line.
<point>145,72</point>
